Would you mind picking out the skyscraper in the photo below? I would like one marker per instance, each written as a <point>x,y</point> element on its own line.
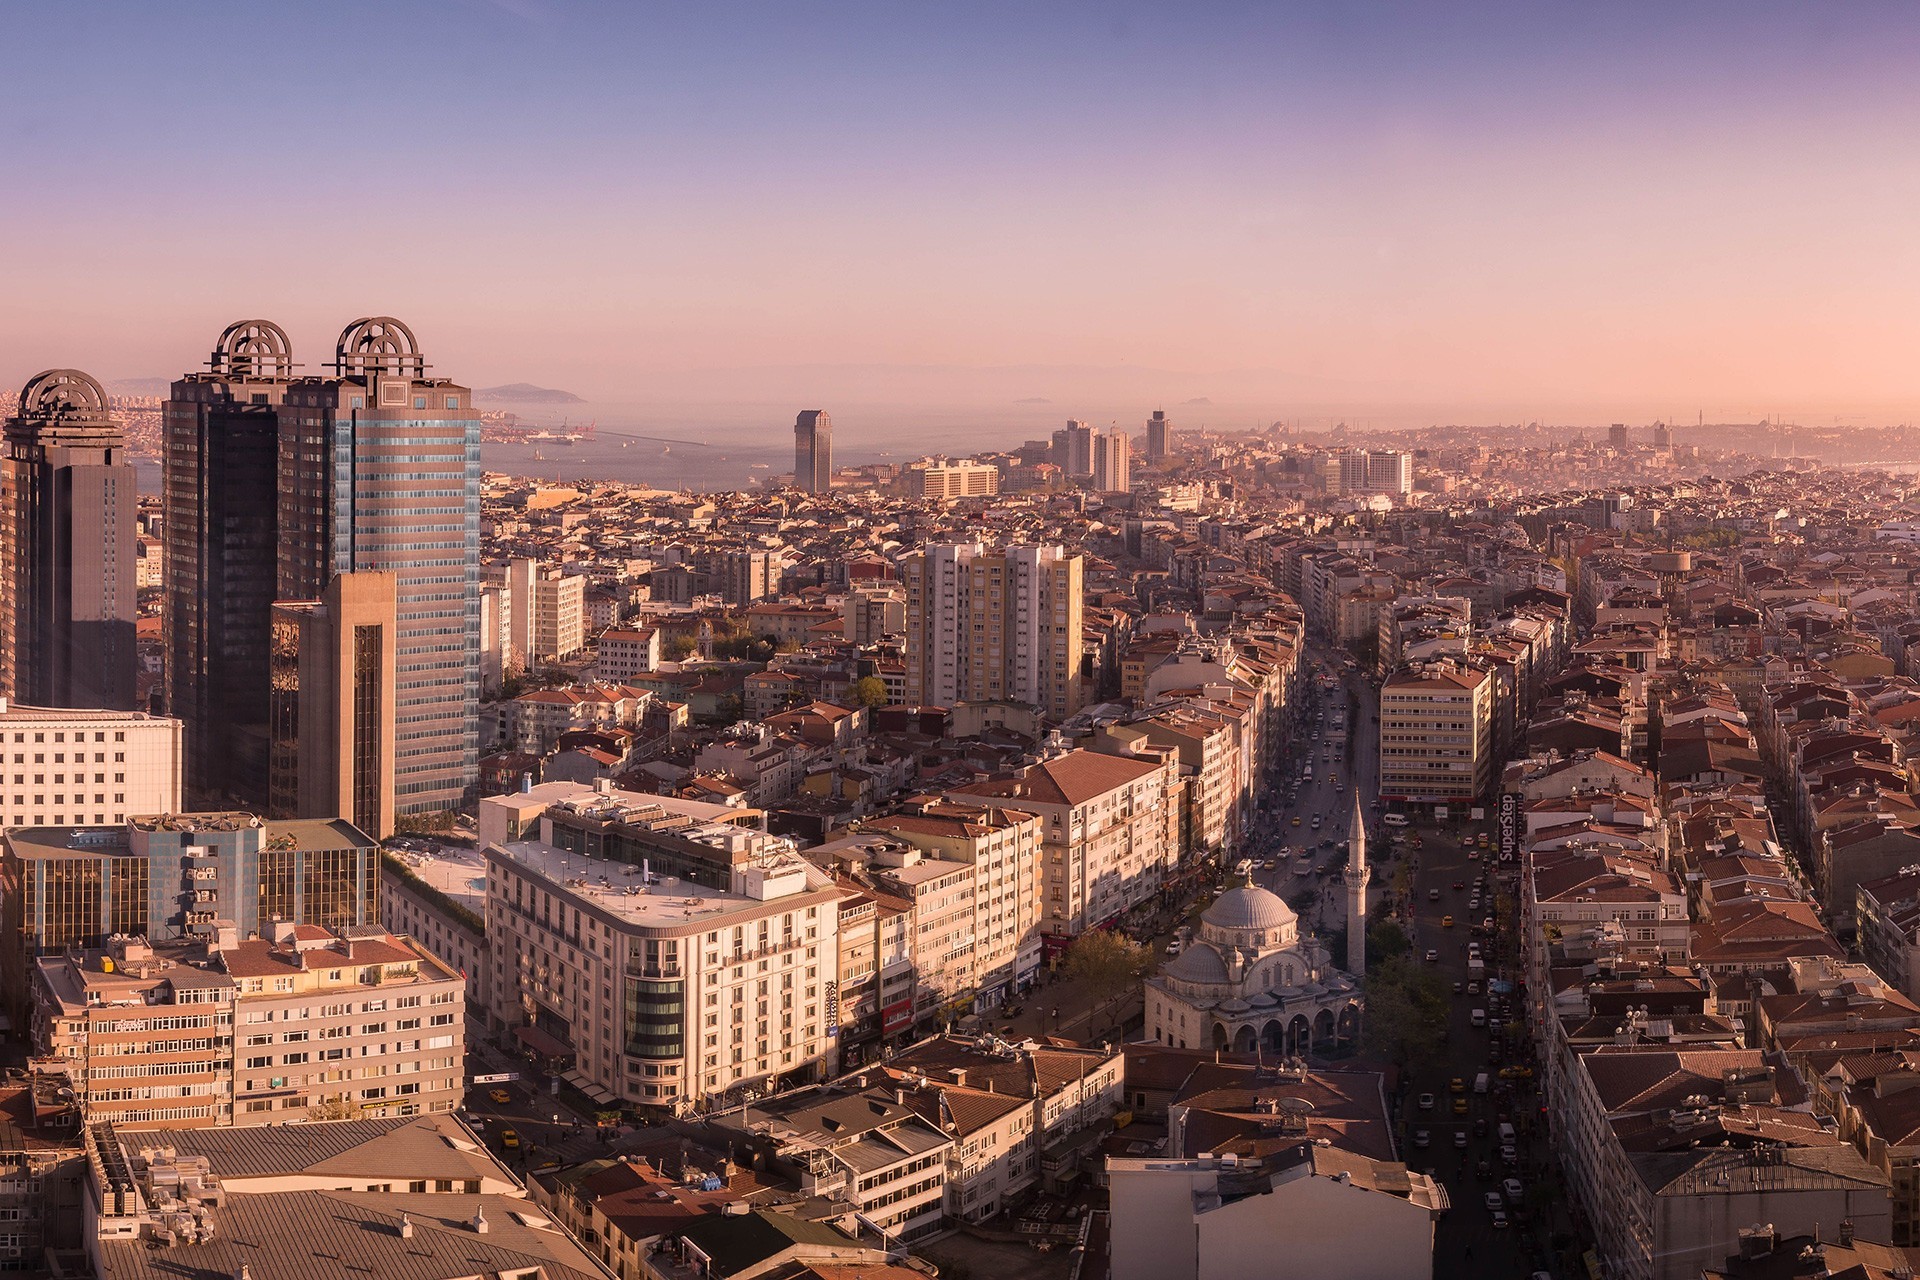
<point>1617,437</point>
<point>67,539</point>
<point>222,445</point>
<point>1157,436</point>
<point>1112,461</point>
<point>1073,449</point>
<point>995,626</point>
<point>380,470</point>
<point>813,451</point>
<point>332,703</point>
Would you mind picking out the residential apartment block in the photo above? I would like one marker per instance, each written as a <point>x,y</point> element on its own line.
<point>995,626</point>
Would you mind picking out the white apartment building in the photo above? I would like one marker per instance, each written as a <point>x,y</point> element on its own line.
<point>1436,733</point>
<point>940,480</point>
<point>871,612</point>
<point>1002,626</point>
<point>86,768</point>
<point>625,653</point>
<point>1112,461</point>
<point>548,614</point>
<point>661,990</point>
<point>1112,831</point>
<point>354,1025</point>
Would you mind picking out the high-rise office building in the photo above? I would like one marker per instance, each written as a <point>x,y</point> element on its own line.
<point>813,451</point>
<point>1617,437</point>
<point>332,703</point>
<point>1157,427</point>
<point>1073,449</point>
<point>221,457</point>
<point>1389,471</point>
<point>380,471</point>
<point>1112,461</point>
<point>994,626</point>
<point>67,550</point>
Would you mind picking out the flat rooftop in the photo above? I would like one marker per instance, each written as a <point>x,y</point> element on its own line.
<point>652,902</point>
<point>456,871</point>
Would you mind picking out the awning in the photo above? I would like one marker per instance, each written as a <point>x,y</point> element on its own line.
<point>542,1043</point>
<point>578,1080</point>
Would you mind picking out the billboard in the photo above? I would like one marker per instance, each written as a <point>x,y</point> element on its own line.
<point>1509,825</point>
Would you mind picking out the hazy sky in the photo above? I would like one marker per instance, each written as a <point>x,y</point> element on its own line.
<point>1605,208</point>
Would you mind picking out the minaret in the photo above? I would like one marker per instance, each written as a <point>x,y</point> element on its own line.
<point>1357,876</point>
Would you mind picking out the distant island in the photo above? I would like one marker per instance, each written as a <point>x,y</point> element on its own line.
<point>1198,400</point>
<point>527,393</point>
<point>1034,400</point>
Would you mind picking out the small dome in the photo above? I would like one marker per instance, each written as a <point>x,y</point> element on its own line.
<point>1248,906</point>
<point>1198,963</point>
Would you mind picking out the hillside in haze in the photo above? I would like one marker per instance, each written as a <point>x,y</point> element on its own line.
<point>527,393</point>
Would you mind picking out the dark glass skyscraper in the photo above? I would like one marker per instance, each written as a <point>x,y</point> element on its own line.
<point>67,537</point>
<point>379,469</point>
<point>222,453</point>
<point>813,451</point>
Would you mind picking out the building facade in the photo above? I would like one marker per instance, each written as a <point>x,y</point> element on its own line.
<point>992,626</point>
<point>813,451</point>
<point>86,767</point>
<point>1436,733</point>
<point>67,549</point>
<point>380,470</point>
<point>222,447</point>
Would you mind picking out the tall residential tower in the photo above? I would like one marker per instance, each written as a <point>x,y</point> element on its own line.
<point>67,537</point>
<point>994,626</point>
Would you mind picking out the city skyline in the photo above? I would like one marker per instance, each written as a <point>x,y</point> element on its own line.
<point>1473,214</point>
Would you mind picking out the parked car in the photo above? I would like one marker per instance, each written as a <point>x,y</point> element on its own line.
<point>1513,1190</point>
<point>1422,1138</point>
<point>1425,1102</point>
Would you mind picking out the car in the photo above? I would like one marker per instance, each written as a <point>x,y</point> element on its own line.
<point>1478,1017</point>
<point>499,1097</point>
<point>1493,1202</point>
<point>1480,1127</point>
<point>1460,1139</point>
<point>1483,1170</point>
<point>1459,1085</point>
<point>1513,1191</point>
<point>1173,948</point>
<point>509,1138</point>
<point>1509,1155</point>
<point>1422,1138</point>
<point>1473,855</point>
<point>1459,1106</point>
<point>1459,884</point>
<point>1425,1102</point>
<point>1518,1071</point>
<point>1296,819</point>
<point>1433,895</point>
<point>1446,922</point>
<point>1473,988</point>
<point>1459,987</point>
<point>1433,956</point>
<point>1499,1220</point>
<point>1271,863</point>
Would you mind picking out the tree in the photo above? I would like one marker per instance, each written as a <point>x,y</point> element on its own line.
<point>1107,963</point>
<point>678,648</point>
<point>1406,1012</point>
<point>337,1107</point>
<point>1386,940</point>
<point>870,691</point>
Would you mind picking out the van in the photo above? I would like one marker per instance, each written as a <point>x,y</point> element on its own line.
<point>1480,1083</point>
<point>1394,819</point>
<point>1506,1135</point>
<point>1479,1017</point>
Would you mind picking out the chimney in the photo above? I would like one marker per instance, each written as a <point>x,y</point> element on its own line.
<point>406,1227</point>
<point>1846,1233</point>
<point>480,1225</point>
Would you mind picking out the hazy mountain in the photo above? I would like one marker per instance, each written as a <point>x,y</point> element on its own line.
<point>527,393</point>
<point>139,386</point>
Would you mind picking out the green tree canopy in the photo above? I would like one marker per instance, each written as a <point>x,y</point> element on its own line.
<point>870,691</point>
<point>1108,963</point>
<point>1406,1013</point>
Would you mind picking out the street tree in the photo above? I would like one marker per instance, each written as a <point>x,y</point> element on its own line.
<point>1108,963</point>
<point>1406,1012</point>
<point>870,691</point>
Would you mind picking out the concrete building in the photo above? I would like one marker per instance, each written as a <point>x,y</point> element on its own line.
<point>331,1025</point>
<point>439,900</point>
<point>995,626</point>
<point>871,613</point>
<point>380,470</point>
<point>813,451</point>
<point>1328,1213</point>
<point>96,767</point>
<point>222,453</point>
<point>1159,433</point>
<point>1112,461</point>
<point>749,575</point>
<point>1072,450</point>
<point>1436,733</point>
<point>1112,833</point>
<point>548,616</point>
<point>332,707</point>
<point>661,990</point>
<point>181,876</point>
<point>941,480</point>
<point>67,561</point>
<point>626,653</point>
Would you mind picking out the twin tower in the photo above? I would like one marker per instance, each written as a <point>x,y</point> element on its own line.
<point>321,539</point>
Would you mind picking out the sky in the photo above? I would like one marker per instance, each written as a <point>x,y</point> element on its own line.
<point>1462,212</point>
